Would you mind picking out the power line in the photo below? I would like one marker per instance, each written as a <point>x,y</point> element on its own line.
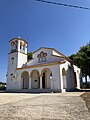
<point>63,4</point>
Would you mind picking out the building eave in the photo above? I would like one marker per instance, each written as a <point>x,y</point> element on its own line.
<point>41,65</point>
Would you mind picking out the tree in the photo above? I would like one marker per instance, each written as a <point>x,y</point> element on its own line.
<point>82,60</point>
<point>30,55</point>
<point>2,83</point>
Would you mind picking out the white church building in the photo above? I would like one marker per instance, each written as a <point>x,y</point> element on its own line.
<point>48,69</point>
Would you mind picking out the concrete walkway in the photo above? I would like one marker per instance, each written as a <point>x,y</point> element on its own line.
<point>57,106</point>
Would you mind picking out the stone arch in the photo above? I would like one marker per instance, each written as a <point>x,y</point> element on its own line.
<point>32,72</point>
<point>25,80</point>
<point>35,79</point>
<point>45,69</point>
<point>46,82</point>
<point>64,78</point>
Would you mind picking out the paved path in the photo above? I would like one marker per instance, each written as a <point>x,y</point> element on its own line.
<point>58,106</point>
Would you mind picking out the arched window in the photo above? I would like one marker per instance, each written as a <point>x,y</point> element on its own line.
<point>12,59</point>
<point>14,45</point>
<point>11,76</point>
<point>42,57</point>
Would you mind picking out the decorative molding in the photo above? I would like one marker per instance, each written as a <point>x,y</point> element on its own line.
<point>42,56</point>
<point>17,51</point>
<point>41,65</point>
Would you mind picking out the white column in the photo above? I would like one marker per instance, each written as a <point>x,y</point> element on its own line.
<point>21,83</point>
<point>52,83</point>
<point>18,45</point>
<point>30,83</point>
<point>40,81</point>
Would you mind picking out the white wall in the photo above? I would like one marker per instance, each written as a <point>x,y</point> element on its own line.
<point>69,75</point>
<point>49,57</point>
<point>54,53</point>
<point>19,60</point>
<point>78,76</point>
<point>11,69</point>
<point>22,59</point>
<point>55,82</point>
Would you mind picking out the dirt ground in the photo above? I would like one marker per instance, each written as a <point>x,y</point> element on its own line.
<point>86,98</point>
<point>45,106</point>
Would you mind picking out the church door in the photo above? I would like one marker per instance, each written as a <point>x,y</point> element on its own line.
<point>43,81</point>
<point>75,80</point>
<point>25,83</point>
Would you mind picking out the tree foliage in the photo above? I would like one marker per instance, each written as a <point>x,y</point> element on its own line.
<point>82,59</point>
<point>30,55</point>
<point>2,83</point>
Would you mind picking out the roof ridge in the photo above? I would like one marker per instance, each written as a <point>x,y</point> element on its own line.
<point>41,48</point>
<point>54,50</point>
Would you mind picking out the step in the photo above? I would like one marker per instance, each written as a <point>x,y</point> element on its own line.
<point>34,91</point>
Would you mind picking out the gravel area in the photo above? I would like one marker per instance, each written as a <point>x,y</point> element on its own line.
<point>57,106</point>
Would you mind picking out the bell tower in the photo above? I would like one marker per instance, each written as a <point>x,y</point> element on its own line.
<point>17,57</point>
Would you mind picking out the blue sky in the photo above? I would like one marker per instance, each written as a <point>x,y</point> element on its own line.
<point>63,28</point>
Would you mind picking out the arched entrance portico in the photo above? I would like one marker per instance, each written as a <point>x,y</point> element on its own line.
<point>25,80</point>
<point>64,78</point>
<point>46,83</point>
<point>35,79</point>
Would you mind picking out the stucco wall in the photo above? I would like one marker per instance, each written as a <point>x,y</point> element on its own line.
<point>22,59</point>
<point>78,75</point>
<point>49,57</point>
<point>11,70</point>
<point>55,82</point>
<point>54,53</point>
<point>69,75</point>
<point>19,60</point>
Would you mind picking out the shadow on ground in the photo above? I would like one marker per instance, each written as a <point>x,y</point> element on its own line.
<point>86,98</point>
<point>37,92</point>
